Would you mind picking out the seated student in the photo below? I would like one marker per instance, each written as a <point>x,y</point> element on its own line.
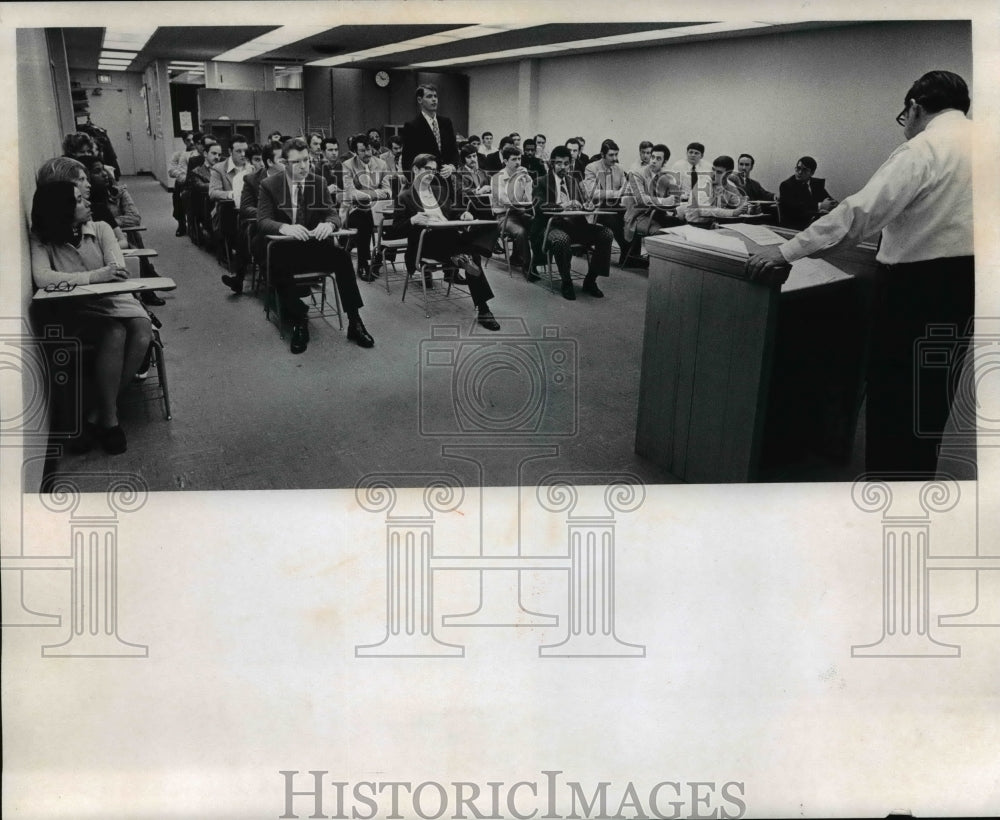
<point>80,146</point>
<point>178,172</point>
<point>199,180</point>
<point>645,153</point>
<point>721,199</point>
<point>392,156</point>
<point>750,188</point>
<point>691,169</point>
<point>366,180</point>
<point>530,161</point>
<point>68,248</point>
<point>331,168</point>
<point>802,197</point>
<point>604,184</point>
<point>98,197</point>
<point>427,201</point>
<point>540,142</point>
<point>494,162</point>
<point>297,204</point>
<point>226,185</point>
<point>473,184</point>
<point>375,141</point>
<point>649,206</point>
<point>584,158</point>
<point>487,146</point>
<point>511,200</point>
<point>577,165</point>
<point>315,141</point>
<point>273,163</point>
<point>559,190</point>
<point>255,158</point>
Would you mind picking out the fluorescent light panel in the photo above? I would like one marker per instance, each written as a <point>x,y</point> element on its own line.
<point>465,33</point>
<point>269,42</point>
<point>637,37</point>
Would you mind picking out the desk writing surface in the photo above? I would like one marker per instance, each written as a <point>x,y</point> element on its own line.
<point>106,288</point>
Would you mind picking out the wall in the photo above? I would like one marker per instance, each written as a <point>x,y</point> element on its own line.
<point>776,96</point>
<point>39,135</point>
<point>274,110</point>
<point>157,81</point>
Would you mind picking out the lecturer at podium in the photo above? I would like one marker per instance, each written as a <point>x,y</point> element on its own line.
<point>921,201</point>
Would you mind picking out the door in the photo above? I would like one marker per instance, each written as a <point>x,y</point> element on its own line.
<point>109,108</point>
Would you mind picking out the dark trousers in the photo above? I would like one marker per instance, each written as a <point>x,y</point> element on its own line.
<point>290,256</point>
<point>476,241</point>
<point>360,219</point>
<point>616,222</point>
<point>518,227</point>
<point>565,232</point>
<point>913,368</point>
<point>178,211</point>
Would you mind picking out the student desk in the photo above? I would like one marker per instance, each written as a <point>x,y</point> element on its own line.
<point>736,375</point>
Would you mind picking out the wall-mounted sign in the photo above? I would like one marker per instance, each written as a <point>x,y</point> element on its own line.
<point>104,78</point>
<point>185,118</point>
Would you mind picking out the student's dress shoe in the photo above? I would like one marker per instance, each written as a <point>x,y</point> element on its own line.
<point>181,231</point>
<point>357,332</point>
<point>567,291</point>
<point>234,283</point>
<point>487,320</point>
<point>300,338</point>
<point>365,273</point>
<point>590,286</point>
<point>150,298</point>
<point>113,440</point>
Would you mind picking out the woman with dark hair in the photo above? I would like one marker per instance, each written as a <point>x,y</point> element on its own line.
<point>69,249</point>
<point>68,169</point>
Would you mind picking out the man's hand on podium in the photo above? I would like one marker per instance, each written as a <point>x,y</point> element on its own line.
<point>768,267</point>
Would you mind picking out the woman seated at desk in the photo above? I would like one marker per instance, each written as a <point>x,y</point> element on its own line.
<point>428,201</point>
<point>69,249</point>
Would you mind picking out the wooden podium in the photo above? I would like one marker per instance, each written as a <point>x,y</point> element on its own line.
<point>712,341</point>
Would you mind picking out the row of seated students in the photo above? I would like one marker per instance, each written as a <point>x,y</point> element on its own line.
<point>80,216</point>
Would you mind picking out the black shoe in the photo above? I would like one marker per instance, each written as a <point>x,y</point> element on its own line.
<point>300,338</point>
<point>113,440</point>
<point>181,231</point>
<point>235,283</point>
<point>487,320</point>
<point>364,273</point>
<point>636,262</point>
<point>590,286</point>
<point>150,298</point>
<point>357,332</point>
<point>567,291</point>
<point>531,276</point>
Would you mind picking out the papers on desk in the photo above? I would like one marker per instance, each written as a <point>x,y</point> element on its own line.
<point>807,273</point>
<point>713,240</point>
<point>760,234</point>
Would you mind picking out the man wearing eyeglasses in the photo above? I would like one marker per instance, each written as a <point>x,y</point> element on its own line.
<point>921,201</point>
<point>803,197</point>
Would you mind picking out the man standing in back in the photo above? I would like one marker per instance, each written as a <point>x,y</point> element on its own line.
<point>427,133</point>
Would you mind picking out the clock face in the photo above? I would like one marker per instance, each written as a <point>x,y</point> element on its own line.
<point>382,79</point>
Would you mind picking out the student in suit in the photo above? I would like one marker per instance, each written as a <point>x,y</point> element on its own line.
<point>530,161</point>
<point>577,165</point>
<point>647,198</point>
<point>722,199</point>
<point>494,160</point>
<point>604,184</point>
<point>428,133</point>
<point>803,197</point>
<point>226,185</point>
<point>557,191</point>
<point>473,183</point>
<point>366,180</point>
<point>297,204</point>
<point>429,200</point>
<point>751,188</point>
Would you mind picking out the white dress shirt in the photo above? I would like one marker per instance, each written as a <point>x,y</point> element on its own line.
<point>921,200</point>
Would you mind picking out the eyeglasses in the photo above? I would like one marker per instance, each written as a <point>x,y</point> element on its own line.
<point>60,287</point>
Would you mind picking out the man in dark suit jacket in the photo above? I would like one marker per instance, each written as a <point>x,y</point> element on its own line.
<point>802,197</point>
<point>297,204</point>
<point>557,191</point>
<point>419,137</point>
<point>493,162</point>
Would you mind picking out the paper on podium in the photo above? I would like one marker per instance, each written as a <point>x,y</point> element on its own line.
<point>757,233</point>
<point>709,239</point>
<point>807,273</point>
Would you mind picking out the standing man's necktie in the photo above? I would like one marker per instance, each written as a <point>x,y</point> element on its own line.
<point>437,132</point>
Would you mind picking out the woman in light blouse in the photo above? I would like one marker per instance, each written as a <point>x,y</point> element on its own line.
<point>68,249</point>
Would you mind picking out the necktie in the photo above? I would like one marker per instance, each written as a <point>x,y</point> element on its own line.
<point>300,204</point>
<point>563,196</point>
<point>694,178</point>
<point>437,132</point>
